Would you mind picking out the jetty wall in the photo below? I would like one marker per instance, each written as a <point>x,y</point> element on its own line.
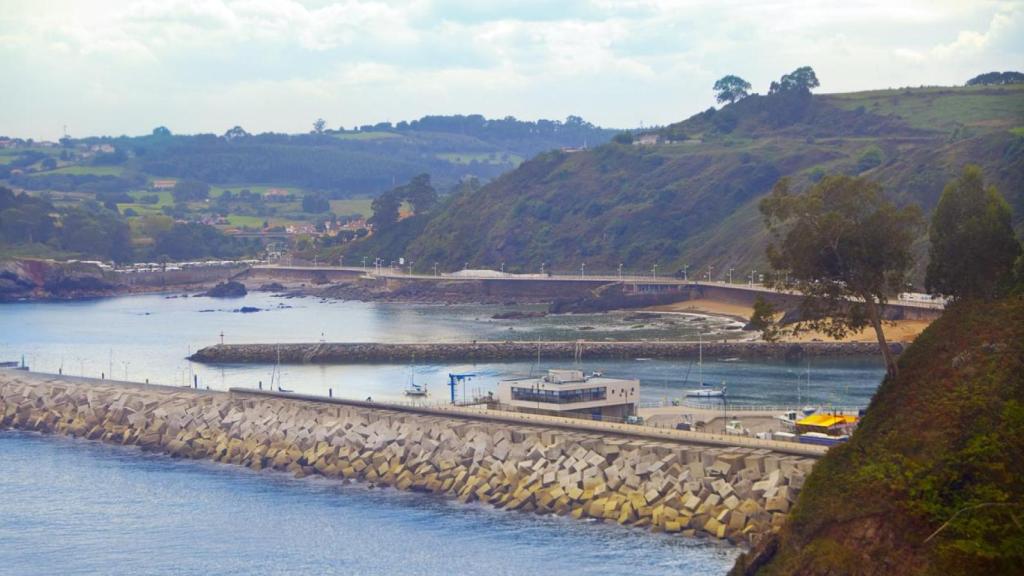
<point>735,493</point>
<point>368,352</point>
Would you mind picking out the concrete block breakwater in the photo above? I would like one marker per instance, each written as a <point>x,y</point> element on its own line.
<point>359,352</point>
<point>735,493</point>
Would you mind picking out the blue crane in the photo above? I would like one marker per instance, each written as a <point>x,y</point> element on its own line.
<point>455,379</point>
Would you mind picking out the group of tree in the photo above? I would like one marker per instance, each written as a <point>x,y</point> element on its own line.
<point>732,88</point>
<point>996,78</point>
<point>848,250</point>
<point>90,230</point>
<point>193,241</point>
<point>419,193</point>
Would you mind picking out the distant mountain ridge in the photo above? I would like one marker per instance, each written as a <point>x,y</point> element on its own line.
<point>692,197</point>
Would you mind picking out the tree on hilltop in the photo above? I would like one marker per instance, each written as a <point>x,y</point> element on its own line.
<point>973,246</point>
<point>319,125</point>
<point>802,79</point>
<point>996,78</point>
<point>730,89</point>
<point>845,248</point>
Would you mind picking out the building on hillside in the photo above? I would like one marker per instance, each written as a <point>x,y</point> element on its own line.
<point>572,393</point>
<point>649,139</point>
<point>279,194</point>
<point>163,184</point>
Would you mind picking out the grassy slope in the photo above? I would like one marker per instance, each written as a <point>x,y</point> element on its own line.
<point>947,434</point>
<point>695,202</point>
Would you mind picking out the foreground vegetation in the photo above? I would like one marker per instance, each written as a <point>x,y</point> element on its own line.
<point>932,482</point>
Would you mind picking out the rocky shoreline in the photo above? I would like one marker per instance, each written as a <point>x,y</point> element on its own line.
<point>361,352</point>
<point>739,494</point>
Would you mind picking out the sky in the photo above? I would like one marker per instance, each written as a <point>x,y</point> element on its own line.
<point>100,67</point>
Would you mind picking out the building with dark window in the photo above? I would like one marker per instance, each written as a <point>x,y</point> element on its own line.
<point>573,393</point>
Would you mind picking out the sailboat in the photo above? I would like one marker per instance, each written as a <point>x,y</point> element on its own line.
<point>705,390</point>
<point>277,374</point>
<point>415,390</point>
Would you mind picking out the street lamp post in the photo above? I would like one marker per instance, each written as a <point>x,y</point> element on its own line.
<point>711,272</point>
<point>730,275</point>
<point>364,264</point>
<point>620,272</point>
<point>583,267</point>
<point>435,268</point>
<point>685,266</point>
<point>542,268</point>
<point>654,272</point>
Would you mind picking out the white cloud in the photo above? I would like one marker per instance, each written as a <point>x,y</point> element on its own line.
<point>109,66</point>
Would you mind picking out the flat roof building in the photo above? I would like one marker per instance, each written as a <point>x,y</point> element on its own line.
<point>572,392</point>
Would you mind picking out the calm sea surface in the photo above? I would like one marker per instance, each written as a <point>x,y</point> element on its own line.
<point>76,507</point>
<point>148,337</point>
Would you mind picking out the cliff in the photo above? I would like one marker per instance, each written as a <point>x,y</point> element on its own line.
<point>933,480</point>
<point>26,278</point>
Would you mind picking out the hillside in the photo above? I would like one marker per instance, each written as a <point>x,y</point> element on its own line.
<point>338,162</point>
<point>692,198</point>
<point>946,435</point>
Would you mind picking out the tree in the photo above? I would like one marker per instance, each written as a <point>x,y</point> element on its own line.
<point>420,194</point>
<point>319,125</point>
<point>161,131</point>
<point>996,78</point>
<point>236,133</point>
<point>973,246</point>
<point>315,203</point>
<point>624,138</point>
<point>802,79</point>
<point>846,248</point>
<point>385,211</point>
<point>763,320</point>
<point>730,89</point>
<point>190,190</point>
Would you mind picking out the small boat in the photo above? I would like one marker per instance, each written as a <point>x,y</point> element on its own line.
<point>413,389</point>
<point>706,391</point>
<point>789,419</point>
<point>735,428</point>
<point>820,439</point>
<point>416,390</point>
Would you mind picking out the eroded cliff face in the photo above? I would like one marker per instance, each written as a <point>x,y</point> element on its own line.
<point>27,278</point>
<point>933,480</point>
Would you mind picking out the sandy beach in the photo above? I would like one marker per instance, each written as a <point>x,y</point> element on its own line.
<point>898,331</point>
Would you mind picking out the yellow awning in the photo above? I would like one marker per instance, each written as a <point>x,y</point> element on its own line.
<point>826,420</point>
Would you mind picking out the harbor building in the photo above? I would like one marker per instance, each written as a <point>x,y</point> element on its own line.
<point>572,393</point>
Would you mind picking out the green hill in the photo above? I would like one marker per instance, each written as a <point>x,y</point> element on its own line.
<point>692,198</point>
<point>943,442</point>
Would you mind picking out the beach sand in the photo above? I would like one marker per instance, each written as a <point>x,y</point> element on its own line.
<point>899,331</point>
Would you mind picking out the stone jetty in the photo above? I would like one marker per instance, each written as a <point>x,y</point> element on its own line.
<point>368,352</point>
<point>733,493</point>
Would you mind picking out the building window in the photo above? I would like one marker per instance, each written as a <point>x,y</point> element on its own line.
<point>559,396</point>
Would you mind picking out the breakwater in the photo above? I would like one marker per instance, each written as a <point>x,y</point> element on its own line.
<point>727,492</point>
<point>364,352</point>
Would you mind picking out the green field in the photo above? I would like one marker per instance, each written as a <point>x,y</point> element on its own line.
<point>352,206</point>
<point>79,170</point>
<point>942,108</point>
<point>260,189</point>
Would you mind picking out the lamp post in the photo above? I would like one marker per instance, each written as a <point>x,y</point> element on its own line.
<point>364,264</point>
<point>502,268</point>
<point>620,271</point>
<point>435,268</point>
<point>685,266</point>
<point>711,272</point>
<point>730,275</point>
<point>542,268</point>
<point>654,272</point>
<point>583,267</point>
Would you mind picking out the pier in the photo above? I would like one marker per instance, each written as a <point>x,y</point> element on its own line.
<point>663,480</point>
<point>375,352</point>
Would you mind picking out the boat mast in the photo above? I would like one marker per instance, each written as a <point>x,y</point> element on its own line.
<point>700,356</point>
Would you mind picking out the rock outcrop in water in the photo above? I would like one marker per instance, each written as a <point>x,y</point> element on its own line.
<point>726,492</point>
<point>28,278</point>
<point>230,289</point>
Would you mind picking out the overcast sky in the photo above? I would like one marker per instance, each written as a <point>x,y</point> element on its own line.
<point>124,67</point>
